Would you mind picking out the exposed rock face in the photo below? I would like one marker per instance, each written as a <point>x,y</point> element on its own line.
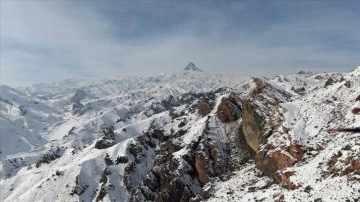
<point>348,84</point>
<point>211,159</point>
<point>352,166</point>
<point>279,159</point>
<point>78,107</point>
<point>262,112</point>
<point>229,109</point>
<point>49,156</point>
<point>345,167</point>
<point>181,178</point>
<point>300,90</point>
<point>79,187</point>
<point>108,138</point>
<point>79,95</point>
<point>240,151</point>
<point>262,115</point>
<point>177,177</point>
<point>329,82</point>
<point>253,125</point>
<point>296,151</point>
<point>283,177</point>
<point>122,159</point>
<point>205,106</point>
<point>22,110</point>
<point>318,77</point>
<point>169,178</point>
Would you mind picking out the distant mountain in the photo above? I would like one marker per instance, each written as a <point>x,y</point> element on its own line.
<point>191,67</point>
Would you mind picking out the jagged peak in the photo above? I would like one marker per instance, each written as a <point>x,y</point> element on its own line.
<point>191,67</point>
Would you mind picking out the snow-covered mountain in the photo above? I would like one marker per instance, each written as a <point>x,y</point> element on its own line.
<point>188,136</point>
<point>191,67</point>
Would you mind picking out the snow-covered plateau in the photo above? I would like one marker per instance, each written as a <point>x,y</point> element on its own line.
<point>186,136</point>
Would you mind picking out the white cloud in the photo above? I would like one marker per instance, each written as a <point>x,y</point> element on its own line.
<point>43,41</point>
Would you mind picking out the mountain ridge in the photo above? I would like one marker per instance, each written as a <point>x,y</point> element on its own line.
<point>183,137</point>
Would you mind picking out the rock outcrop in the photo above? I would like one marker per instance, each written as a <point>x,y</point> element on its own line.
<point>262,117</point>
<point>329,82</point>
<point>253,125</point>
<point>262,112</point>
<point>180,172</point>
<point>229,109</point>
<point>108,138</point>
<point>205,106</point>
<point>49,156</point>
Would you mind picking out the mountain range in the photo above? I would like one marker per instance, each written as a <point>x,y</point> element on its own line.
<point>185,136</point>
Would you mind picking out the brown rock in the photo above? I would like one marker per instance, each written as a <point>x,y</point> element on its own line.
<point>269,164</point>
<point>284,179</point>
<point>228,110</point>
<point>253,125</point>
<point>260,86</point>
<point>265,163</point>
<point>282,160</point>
<point>352,166</point>
<point>334,159</point>
<point>205,106</point>
<point>259,82</point>
<point>201,167</point>
<point>296,151</point>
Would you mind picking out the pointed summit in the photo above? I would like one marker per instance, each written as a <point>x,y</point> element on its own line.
<point>191,67</point>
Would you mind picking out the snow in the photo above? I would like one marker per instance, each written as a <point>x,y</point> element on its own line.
<point>37,118</point>
<point>307,117</point>
<point>49,120</point>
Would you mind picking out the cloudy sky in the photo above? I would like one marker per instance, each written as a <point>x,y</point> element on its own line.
<point>45,41</point>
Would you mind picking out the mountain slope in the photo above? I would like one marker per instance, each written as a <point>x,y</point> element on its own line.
<point>187,136</point>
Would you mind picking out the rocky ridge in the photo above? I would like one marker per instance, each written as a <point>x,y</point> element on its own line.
<point>253,141</point>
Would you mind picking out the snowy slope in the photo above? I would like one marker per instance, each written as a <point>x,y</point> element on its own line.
<point>57,142</point>
<point>57,115</point>
<point>307,118</point>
